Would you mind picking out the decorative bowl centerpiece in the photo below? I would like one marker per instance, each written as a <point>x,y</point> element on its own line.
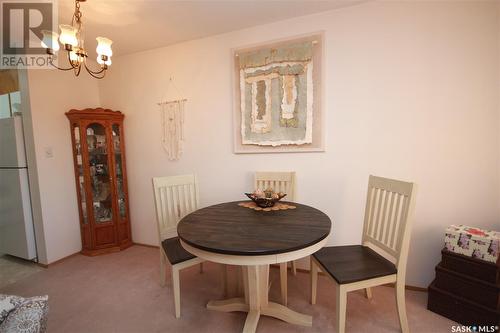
<point>266,198</point>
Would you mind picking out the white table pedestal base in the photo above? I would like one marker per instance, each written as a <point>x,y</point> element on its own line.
<point>256,303</point>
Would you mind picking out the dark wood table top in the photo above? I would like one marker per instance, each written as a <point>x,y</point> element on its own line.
<point>230,229</point>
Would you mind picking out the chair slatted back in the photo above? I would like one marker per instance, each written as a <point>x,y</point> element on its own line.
<point>388,217</point>
<point>175,197</point>
<point>278,181</point>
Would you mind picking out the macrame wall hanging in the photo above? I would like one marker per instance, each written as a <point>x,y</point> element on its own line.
<point>172,120</point>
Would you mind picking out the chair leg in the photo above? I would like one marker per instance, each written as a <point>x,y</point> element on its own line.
<point>314,281</point>
<point>294,267</point>
<point>341,308</point>
<point>244,271</point>
<point>163,269</point>
<point>201,268</point>
<point>401,303</point>
<point>177,291</point>
<point>224,272</point>
<point>240,288</point>
<point>283,283</point>
<point>368,293</point>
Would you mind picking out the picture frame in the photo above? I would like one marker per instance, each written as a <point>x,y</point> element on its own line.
<point>246,62</point>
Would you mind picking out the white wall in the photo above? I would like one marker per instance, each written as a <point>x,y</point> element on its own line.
<point>52,93</point>
<point>411,93</point>
<point>31,159</point>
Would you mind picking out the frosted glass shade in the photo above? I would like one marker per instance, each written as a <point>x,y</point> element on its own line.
<point>102,62</point>
<point>49,40</point>
<point>104,46</point>
<point>68,35</point>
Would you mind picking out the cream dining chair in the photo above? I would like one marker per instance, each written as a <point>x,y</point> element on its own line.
<point>279,182</point>
<point>381,258</point>
<point>175,197</point>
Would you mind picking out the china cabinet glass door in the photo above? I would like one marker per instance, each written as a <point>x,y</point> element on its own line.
<point>121,204</point>
<point>79,171</point>
<point>99,170</point>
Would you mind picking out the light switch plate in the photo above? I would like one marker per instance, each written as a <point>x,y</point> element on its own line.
<point>49,153</point>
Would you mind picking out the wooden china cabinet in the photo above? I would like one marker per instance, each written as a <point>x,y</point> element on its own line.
<point>101,179</point>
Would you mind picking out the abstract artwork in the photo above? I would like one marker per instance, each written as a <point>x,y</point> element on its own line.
<point>278,104</point>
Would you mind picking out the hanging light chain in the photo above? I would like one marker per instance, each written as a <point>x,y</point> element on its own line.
<point>77,16</point>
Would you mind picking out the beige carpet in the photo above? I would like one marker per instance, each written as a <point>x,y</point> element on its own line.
<point>13,269</point>
<point>120,292</point>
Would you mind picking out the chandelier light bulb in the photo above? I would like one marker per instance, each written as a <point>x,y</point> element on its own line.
<point>68,35</point>
<point>49,40</point>
<point>104,46</point>
<point>102,62</point>
<point>73,56</point>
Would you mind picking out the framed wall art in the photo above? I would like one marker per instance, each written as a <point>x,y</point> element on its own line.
<point>278,96</point>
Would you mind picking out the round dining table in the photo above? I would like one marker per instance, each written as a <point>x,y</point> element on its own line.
<point>231,234</point>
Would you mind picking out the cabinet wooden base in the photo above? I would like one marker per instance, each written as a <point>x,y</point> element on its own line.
<point>97,252</point>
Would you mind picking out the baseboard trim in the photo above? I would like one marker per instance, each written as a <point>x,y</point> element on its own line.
<point>79,252</point>
<point>408,287</point>
<point>57,261</point>
<point>147,245</point>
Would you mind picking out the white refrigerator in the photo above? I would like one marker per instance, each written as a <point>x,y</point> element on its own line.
<point>17,235</point>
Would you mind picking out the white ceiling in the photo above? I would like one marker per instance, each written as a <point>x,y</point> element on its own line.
<point>138,25</point>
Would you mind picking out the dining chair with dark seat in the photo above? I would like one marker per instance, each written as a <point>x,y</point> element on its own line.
<point>174,251</point>
<point>381,258</point>
<point>279,181</point>
<point>175,197</point>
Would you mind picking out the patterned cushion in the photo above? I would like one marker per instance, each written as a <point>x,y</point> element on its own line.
<point>7,304</point>
<point>29,316</point>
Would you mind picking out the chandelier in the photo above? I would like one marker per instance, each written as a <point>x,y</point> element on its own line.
<point>72,38</point>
